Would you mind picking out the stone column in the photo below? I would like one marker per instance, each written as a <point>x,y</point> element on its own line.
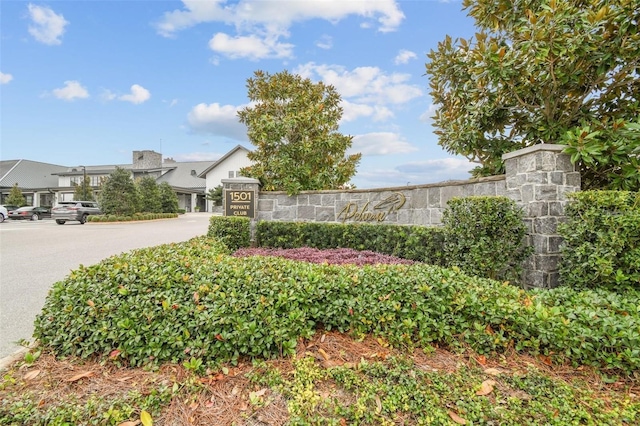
<point>244,184</point>
<point>538,179</point>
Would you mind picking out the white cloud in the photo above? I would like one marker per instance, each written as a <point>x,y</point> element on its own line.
<point>427,116</point>
<point>46,26</point>
<point>197,156</point>
<point>72,90</point>
<point>216,119</point>
<point>248,14</point>
<point>138,95</point>
<point>404,56</point>
<point>352,111</point>
<point>438,170</point>
<point>172,102</point>
<point>364,84</point>
<point>381,143</point>
<point>108,95</point>
<point>416,173</point>
<point>5,78</point>
<point>252,47</point>
<point>325,42</point>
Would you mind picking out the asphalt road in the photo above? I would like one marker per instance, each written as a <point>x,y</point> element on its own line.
<point>34,255</point>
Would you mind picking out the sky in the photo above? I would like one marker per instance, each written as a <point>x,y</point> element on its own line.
<point>88,82</point>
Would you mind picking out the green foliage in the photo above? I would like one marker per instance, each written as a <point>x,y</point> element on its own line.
<point>602,241</point>
<point>420,243</point>
<point>234,232</point>
<point>118,194</point>
<point>181,302</point>
<point>215,195</point>
<point>485,236</point>
<point>83,192</point>
<point>294,126</point>
<point>168,199</point>
<point>15,197</point>
<point>536,72</point>
<point>149,195</point>
<point>608,154</point>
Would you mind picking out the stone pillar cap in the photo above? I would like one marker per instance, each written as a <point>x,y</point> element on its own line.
<point>535,148</point>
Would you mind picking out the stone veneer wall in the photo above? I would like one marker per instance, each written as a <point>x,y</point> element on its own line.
<point>538,179</point>
<point>424,203</point>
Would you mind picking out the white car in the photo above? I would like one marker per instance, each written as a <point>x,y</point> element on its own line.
<point>3,213</point>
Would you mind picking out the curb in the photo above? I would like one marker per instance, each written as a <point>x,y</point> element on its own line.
<point>10,359</point>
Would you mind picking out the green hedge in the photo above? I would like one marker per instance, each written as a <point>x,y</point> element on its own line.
<point>134,217</point>
<point>192,300</point>
<point>233,231</point>
<point>485,236</point>
<point>602,241</point>
<point>418,243</point>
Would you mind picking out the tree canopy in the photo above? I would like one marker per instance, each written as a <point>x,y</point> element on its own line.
<point>118,194</point>
<point>293,123</point>
<point>544,71</point>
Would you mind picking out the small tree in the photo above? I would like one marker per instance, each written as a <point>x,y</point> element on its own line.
<point>294,125</point>
<point>119,194</point>
<point>15,197</point>
<point>149,195</point>
<point>168,198</point>
<point>83,192</point>
<point>215,195</point>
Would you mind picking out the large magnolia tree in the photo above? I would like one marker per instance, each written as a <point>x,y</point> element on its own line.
<point>293,123</point>
<point>544,71</point>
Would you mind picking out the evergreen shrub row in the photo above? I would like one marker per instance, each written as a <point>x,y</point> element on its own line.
<point>130,218</point>
<point>483,236</point>
<point>234,232</point>
<point>192,302</point>
<point>602,241</point>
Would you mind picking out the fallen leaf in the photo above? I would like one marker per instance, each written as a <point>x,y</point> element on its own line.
<point>235,390</point>
<point>493,371</point>
<point>114,353</point>
<point>486,387</point>
<point>324,336</point>
<point>131,423</point>
<point>378,405</point>
<point>482,360</point>
<point>545,359</point>
<point>80,376</point>
<point>343,421</point>
<point>259,393</point>
<point>145,418</point>
<point>90,303</point>
<point>456,418</point>
<point>124,379</point>
<point>193,405</point>
<point>31,374</point>
<point>323,353</point>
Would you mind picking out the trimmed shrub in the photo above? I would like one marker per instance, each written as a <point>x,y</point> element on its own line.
<point>192,300</point>
<point>233,231</point>
<point>417,243</point>
<point>485,236</point>
<point>602,241</point>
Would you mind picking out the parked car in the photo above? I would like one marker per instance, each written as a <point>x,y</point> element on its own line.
<point>4,214</point>
<point>74,210</point>
<point>10,207</point>
<point>30,213</point>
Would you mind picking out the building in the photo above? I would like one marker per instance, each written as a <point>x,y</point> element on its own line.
<point>45,184</point>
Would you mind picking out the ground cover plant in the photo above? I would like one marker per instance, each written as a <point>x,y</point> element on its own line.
<point>332,379</point>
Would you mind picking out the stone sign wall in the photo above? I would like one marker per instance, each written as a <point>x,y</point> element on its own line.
<point>538,179</point>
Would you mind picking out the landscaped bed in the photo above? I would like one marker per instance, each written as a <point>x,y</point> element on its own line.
<point>330,344</point>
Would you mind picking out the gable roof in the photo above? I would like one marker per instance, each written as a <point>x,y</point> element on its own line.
<point>185,175</point>
<point>29,174</point>
<point>203,174</point>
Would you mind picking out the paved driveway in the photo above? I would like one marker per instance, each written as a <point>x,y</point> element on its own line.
<point>34,255</point>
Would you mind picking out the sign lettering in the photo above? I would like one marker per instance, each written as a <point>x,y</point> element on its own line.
<point>379,213</point>
<point>239,203</point>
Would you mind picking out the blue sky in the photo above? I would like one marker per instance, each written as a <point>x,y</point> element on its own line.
<point>87,82</point>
